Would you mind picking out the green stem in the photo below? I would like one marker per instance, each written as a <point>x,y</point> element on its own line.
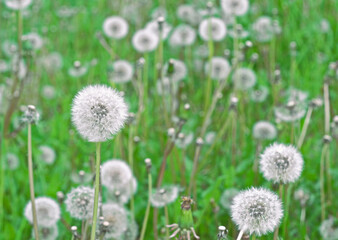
<point>287,197</point>
<point>322,181</point>
<point>97,189</point>
<point>31,181</point>
<point>305,127</point>
<point>275,235</point>
<point>145,219</point>
<point>211,53</point>
<point>131,164</point>
<point>253,237</point>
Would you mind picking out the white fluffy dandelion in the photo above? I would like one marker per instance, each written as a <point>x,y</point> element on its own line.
<point>47,154</point>
<point>47,233</point>
<point>260,94</point>
<point>17,4</point>
<point>188,14</point>
<point>122,194</point>
<point>154,26</point>
<point>115,174</point>
<point>212,27</point>
<point>256,211</point>
<point>235,7</point>
<point>34,39</point>
<point>80,202</point>
<point>264,130</point>
<point>281,163</point>
<point>263,29</point>
<point>227,197</point>
<point>115,27</point>
<point>178,71</point>
<point>47,211</point>
<point>117,218</point>
<point>183,35</point>
<point>48,92</point>
<point>290,112</point>
<point>12,161</point>
<point>244,78</point>
<point>77,70</point>
<point>220,68</point>
<point>120,71</point>
<point>98,112</point>
<point>145,40</point>
<point>164,195</point>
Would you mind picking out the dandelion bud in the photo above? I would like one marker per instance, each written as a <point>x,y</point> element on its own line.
<point>148,164</point>
<point>327,139</point>
<point>181,136</point>
<point>209,6</point>
<point>227,53</point>
<point>233,103</point>
<point>248,44</point>
<point>60,197</point>
<point>171,132</point>
<point>335,119</point>
<point>131,118</point>
<point>137,139</point>
<point>317,102</point>
<point>254,57</point>
<point>74,230</point>
<point>160,21</point>
<point>222,232</point>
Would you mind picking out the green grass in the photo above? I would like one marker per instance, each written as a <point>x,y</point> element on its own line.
<point>75,39</point>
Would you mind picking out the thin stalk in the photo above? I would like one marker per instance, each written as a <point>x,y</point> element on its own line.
<point>233,141</point>
<point>131,164</point>
<point>275,235</point>
<point>287,197</point>
<point>256,161</point>
<point>239,237</point>
<point>253,237</point>
<point>31,181</point>
<point>211,53</point>
<point>97,189</point>
<point>194,168</point>
<point>322,181</point>
<point>302,215</point>
<point>305,127</point>
<point>145,219</point>
<point>328,176</point>
<point>84,233</point>
<point>166,213</point>
<point>327,107</point>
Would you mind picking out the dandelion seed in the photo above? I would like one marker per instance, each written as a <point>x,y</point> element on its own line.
<point>220,68</point>
<point>256,211</point>
<point>116,216</point>
<point>164,195</point>
<point>264,130</point>
<point>227,197</point>
<point>244,78</point>
<point>115,174</point>
<point>12,161</point>
<point>18,4</point>
<point>182,36</point>
<point>281,163</point>
<point>145,40</point>
<point>216,27</point>
<point>115,27</point>
<point>235,7</point>
<point>80,202</point>
<point>47,233</point>
<point>98,112</point>
<point>120,71</point>
<point>47,212</point>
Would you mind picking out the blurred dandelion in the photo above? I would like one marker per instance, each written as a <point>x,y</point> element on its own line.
<point>115,27</point>
<point>145,40</point>
<point>116,216</point>
<point>164,195</point>
<point>235,7</point>
<point>217,29</point>
<point>78,70</point>
<point>183,35</point>
<point>264,130</point>
<point>115,174</point>
<point>244,78</point>
<point>120,71</point>
<point>227,197</point>
<point>12,161</point>
<point>220,68</point>
<point>47,233</point>
<point>17,4</point>
<point>47,154</point>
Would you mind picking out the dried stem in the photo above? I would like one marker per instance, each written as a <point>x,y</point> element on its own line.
<point>305,127</point>
<point>145,219</point>
<point>194,168</point>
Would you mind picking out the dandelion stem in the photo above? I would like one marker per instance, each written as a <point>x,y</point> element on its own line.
<point>275,235</point>
<point>194,168</point>
<point>166,213</point>
<point>145,220</point>
<point>97,189</point>
<point>131,164</point>
<point>239,237</point>
<point>327,107</point>
<point>287,196</point>
<point>31,181</point>
<point>211,53</point>
<point>305,127</point>
<point>322,181</point>
<point>253,237</point>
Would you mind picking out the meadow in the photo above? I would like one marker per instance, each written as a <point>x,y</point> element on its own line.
<point>210,100</point>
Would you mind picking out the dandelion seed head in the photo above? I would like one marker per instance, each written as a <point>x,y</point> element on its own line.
<point>183,35</point>
<point>115,174</point>
<point>115,27</point>
<point>47,154</point>
<point>131,232</point>
<point>12,161</point>
<point>184,140</point>
<point>120,71</point>
<point>98,112</point>
<point>328,229</point>
<point>235,7</point>
<point>290,112</point>
<point>145,40</point>
<point>164,195</point>
<point>220,68</point>
<point>34,39</point>
<point>47,233</point>
<point>260,94</point>
<point>161,28</point>
<point>80,202</point>
<point>227,197</point>
<point>176,70</point>
<point>256,210</point>
<point>263,29</point>
<point>30,115</point>
<point>18,4</point>
<point>215,26</point>
<point>301,196</point>
<point>77,70</point>
<point>188,14</point>
<point>264,130</point>
<point>281,163</point>
<point>244,78</point>
<point>116,216</point>
<point>124,192</point>
<point>47,211</point>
